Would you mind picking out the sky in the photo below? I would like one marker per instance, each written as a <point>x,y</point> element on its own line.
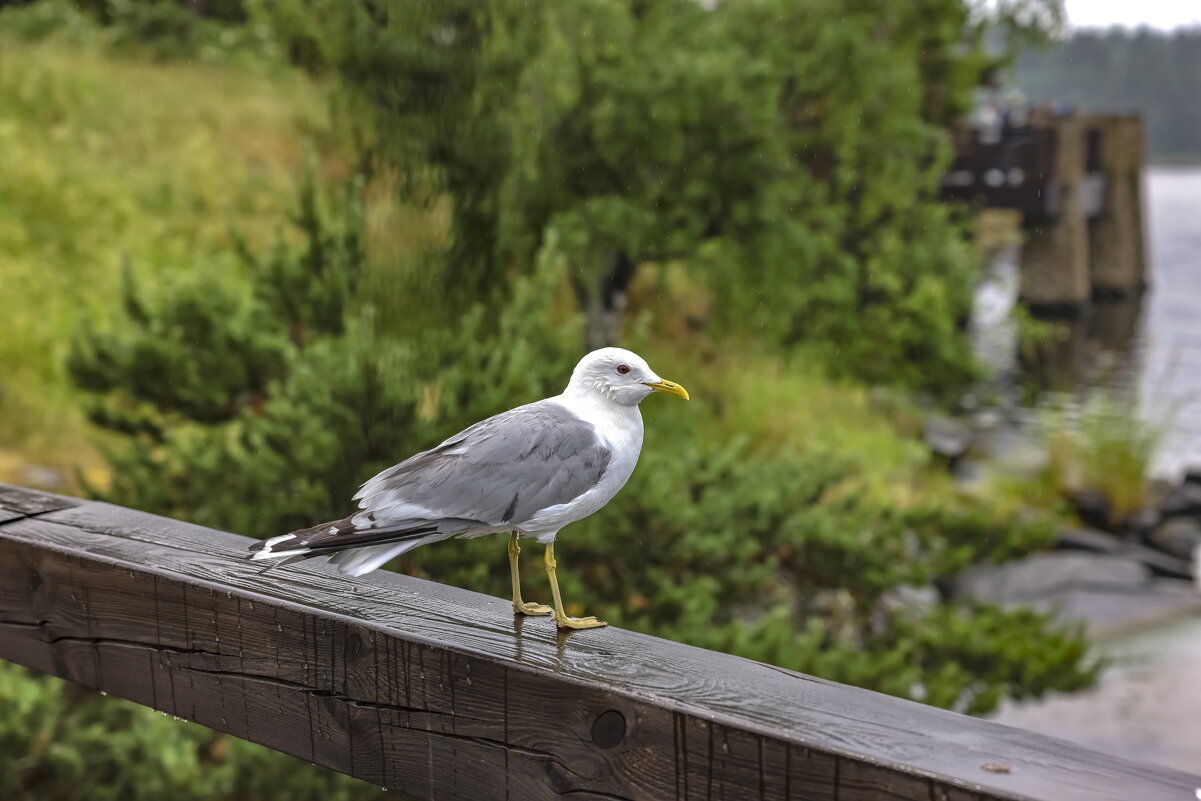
<point>1163,14</point>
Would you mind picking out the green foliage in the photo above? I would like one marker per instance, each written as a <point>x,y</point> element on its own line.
<point>1018,23</point>
<point>143,375</point>
<point>788,155</point>
<point>237,343</point>
<point>1148,71</point>
<point>155,29</point>
<point>58,738</point>
<point>37,21</point>
<point>255,407</point>
<point>105,162</point>
<point>1103,444</point>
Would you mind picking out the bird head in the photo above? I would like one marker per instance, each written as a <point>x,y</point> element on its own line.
<point>621,376</point>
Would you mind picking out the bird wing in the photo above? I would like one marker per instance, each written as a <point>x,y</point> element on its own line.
<point>500,471</point>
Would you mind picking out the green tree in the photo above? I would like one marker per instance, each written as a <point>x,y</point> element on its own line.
<point>257,401</point>
<point>787,154</point>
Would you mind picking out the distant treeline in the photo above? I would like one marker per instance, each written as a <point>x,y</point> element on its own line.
<point>1156,74</point>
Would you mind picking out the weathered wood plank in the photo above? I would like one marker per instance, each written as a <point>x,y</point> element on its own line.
<point>440,692</point>
<point>7,514</point>
<point>25,501</point>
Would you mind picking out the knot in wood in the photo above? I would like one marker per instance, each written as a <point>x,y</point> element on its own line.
<point>609,729</point>
<point>559,778</point>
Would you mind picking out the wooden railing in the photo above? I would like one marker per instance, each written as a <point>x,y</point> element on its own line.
<point>442,693</point>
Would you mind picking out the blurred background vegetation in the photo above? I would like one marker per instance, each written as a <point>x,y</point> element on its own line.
<point>253,252</point>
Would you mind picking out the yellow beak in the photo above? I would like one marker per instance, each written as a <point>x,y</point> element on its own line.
<point>670,387</point>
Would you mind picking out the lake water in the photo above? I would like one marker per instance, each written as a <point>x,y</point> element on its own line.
<point>1166,347</point>
<point>1147,347</point>
<point>1147,704</point>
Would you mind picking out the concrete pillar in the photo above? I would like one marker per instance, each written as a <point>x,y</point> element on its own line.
<point>1055,263</point>
<point>1116,236</point>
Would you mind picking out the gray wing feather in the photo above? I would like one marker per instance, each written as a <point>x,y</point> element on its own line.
<point>500,471</point>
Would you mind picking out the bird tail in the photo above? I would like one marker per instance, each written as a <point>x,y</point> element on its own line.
<point>298,544</point>
<point>353,549</point>
<point>360,561</point>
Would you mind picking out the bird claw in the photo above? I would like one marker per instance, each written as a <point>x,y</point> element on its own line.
<point>565,622</point>
<point>531,608</point>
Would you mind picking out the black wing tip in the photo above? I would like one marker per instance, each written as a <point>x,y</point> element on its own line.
<point>326,539</point>
<point>301,537</point>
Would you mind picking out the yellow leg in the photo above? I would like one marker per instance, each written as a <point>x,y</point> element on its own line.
<point>519,606</point>
<point>561,619</point>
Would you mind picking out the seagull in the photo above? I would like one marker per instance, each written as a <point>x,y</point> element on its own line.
<point>527,472</point>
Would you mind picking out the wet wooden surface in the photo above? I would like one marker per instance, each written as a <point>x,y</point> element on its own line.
<point>442,693</point>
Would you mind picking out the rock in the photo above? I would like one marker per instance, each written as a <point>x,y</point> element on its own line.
<point>946,436</point>
<point>1087,539</point>
<point>1092,507</point>
<point>1197,569</point>
<point>1159,487</point>
<point>1183,499</point>
<point>1192,475</point>
<point>1158,562</point>
<point>1178,536</point>
<point>1143,522</point>
<point>1045,574</point>
<point>1109,612</point>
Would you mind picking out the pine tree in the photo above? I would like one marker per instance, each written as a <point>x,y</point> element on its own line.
<point>259,403</point>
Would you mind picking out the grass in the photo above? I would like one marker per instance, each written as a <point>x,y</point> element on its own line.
<point>760,395</point>
<point>1103,446</point>
<point>107,161</point>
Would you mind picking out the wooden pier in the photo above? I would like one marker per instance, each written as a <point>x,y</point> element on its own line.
<point>1077,181</point>
<point>442,693</point>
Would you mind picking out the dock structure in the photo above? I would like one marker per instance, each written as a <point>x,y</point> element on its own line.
<point>1076,179</point>
<point>442,693</point>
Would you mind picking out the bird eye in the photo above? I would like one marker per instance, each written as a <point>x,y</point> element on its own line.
<point>623,369</point>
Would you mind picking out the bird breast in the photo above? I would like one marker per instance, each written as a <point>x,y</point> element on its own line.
<point>620,430</point>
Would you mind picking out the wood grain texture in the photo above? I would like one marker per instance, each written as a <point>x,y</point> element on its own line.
<point>25,501</point>
<point>7,514</point>
<point>442,693</point>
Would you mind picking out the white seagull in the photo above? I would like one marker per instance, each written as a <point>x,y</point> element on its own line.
<point>529,471</point>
